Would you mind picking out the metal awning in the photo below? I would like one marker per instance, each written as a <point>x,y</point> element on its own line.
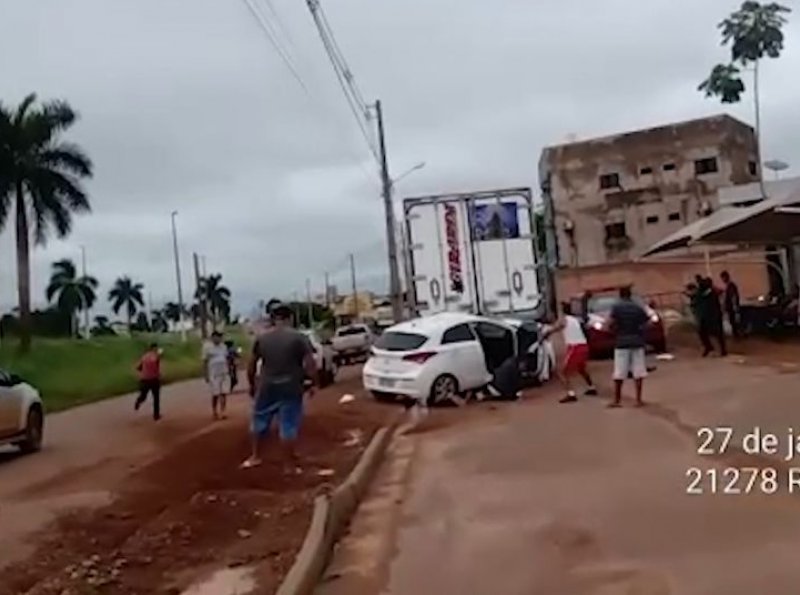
<point>771,221</point>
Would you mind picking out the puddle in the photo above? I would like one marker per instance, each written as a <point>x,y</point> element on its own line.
<point>228,581</point>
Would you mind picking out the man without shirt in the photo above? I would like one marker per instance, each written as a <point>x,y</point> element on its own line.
<point>287,362</point>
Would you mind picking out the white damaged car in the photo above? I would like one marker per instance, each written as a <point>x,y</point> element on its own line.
<point>21,413</point>
<point>439,358</point>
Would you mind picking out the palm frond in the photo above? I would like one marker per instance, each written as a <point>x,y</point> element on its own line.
<point>24,107</point>
<point>67,157</point>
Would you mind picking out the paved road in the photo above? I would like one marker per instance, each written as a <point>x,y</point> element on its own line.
<point>582,500</point>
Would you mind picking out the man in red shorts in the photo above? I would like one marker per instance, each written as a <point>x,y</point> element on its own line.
<point>577,353</point>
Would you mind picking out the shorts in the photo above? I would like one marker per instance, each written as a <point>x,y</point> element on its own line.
<point>630,362</point>
<point>217,384</point>
<point>287,406</point>
<point>576,358</point>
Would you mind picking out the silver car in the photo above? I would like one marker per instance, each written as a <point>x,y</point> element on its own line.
<point>21,413</point>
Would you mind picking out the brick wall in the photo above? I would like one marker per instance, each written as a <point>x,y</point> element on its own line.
<point>663,282</point>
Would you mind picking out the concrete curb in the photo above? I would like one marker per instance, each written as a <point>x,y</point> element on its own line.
<point>331,517</point>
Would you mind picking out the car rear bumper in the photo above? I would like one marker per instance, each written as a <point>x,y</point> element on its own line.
<point>393,385</point>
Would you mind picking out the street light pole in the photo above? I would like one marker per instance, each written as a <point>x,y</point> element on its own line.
<point>178,276</point>
<point>391,241</point>
<point>85,306</point>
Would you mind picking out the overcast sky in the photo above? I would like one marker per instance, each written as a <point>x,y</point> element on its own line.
<point>186,106</point>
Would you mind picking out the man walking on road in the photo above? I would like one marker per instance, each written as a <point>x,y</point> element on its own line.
<point>149,368</point>
<point>628,321</point>
<point>287,361</point>
<point>215,367</point>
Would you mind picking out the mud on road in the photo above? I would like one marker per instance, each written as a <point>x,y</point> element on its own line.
<point>175,521</point>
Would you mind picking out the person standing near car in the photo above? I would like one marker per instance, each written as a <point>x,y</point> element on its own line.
<point>287,363</point>
<point>149,369</point>
<point>576,356</point>
<point>628,322</point>
<point>710,317</point>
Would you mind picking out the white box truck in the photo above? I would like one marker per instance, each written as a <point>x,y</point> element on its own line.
<point>476,252</point>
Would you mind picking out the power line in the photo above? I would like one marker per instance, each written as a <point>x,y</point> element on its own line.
<point>343,74</point>
<point>276,17</point>
<point>263,22</point>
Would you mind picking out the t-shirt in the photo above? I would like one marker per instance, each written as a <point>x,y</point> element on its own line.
<point>216,358</point>
<point>150,366</point>
<point>282,353</point>
<point>629,321</point>
<point>573,331</point>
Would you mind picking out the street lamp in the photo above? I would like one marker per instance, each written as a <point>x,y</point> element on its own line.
<point>417,167</point>
<point>776,166</point>
<point>178,275</point>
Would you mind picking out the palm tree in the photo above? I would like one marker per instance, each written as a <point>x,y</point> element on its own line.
<point>216,296</point>
<point>72,293</point>
<point>102,326</point>
<point>172,312</point>
<point>126,294</point>
<point>158,321</point>
<point>40,177</point>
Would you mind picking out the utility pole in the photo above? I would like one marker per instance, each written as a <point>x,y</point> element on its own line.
<point>85,306</point>
<point>201,294</point>
<point>178,276</point>
<point>205,272</point>
<point>327,291</point>
<point>355,288</point>
<point>310,305</point>
<point>391,241</point>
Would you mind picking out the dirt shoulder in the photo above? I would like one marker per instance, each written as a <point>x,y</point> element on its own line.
<point>171,519</point>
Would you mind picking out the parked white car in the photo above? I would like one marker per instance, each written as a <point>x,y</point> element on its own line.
<point>439,357</point>
<point>324,357</point>
<point>21,413</point>
<point>352,342</point>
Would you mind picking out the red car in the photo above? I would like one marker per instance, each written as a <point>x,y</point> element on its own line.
<point>598,325</point>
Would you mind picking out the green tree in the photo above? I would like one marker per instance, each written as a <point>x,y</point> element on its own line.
<point>128,295</point>
<point>72,293</point>
<point>172,312</point>
<point>158,321</point>
<point>217,298</point>
<point>102,326</point>
<point>40,180</point>
<point>754,32</point>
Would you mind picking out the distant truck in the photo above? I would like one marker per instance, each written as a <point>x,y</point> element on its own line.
<point>476,252</point>
<point>352,342</point>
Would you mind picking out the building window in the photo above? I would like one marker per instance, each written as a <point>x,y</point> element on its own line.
<point>706,166</point>
<point>675,216</point>
<point>753,167</point>
<point>609,181</point>
<point>616,231</point>
<point>646,171</point>
<point>669,167</point>
<point>652,219</point>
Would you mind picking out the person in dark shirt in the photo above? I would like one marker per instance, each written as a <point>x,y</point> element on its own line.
<point>710,317</point>
<point>731,301</point>
<point>288,370</point>
<point>628,322</point>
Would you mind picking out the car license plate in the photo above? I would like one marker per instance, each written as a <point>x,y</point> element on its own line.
<point>386,382</point>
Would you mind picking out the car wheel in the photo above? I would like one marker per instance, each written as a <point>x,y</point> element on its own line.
<point>443,389</point>
<point>34,431</point>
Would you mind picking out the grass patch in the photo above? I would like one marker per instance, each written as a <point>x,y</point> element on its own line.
<point>74,372</point>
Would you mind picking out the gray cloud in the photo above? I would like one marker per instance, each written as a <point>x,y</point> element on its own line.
<point>186,106</point>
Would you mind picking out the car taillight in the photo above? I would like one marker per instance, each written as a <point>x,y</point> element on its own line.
<point>419,358</point>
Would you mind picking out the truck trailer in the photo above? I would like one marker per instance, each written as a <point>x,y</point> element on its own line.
<point>476,252</point>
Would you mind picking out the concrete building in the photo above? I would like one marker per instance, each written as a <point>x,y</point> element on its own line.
<point>613,197</point>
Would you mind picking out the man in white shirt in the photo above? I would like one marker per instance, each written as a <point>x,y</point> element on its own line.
<point>577,353</point>
<point>215,365</point>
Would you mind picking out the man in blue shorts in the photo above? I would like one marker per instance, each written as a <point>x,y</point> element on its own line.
<point>287,362</point>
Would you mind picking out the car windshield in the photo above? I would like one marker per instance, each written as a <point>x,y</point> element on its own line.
<point>394,341</point>
<point>606,302</point>
<point>351,330</point>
